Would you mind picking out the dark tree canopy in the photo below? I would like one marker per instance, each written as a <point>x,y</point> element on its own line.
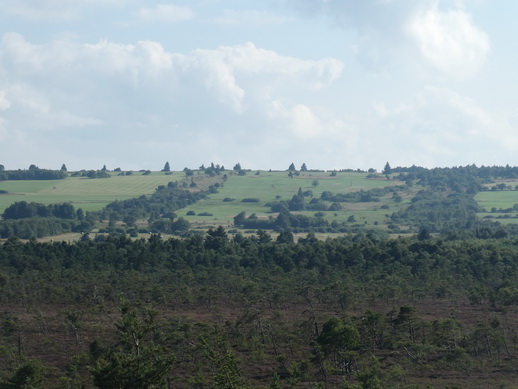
<point>387,169</point>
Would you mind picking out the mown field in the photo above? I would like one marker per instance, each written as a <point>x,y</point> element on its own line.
<point>85,193</point>
<point>499,204</point>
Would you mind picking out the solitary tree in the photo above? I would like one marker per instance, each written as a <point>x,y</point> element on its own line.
<point>166,168</point>
<point>387,169</point>
<point>63,168</point>
<point>292,167</point>
<point>303,168</point>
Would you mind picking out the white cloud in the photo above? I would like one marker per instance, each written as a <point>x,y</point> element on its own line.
<point>233,72</point>
<point>449,41</point>
<point>299,119</point>
<point>108,94</point>
<point>391,32</point>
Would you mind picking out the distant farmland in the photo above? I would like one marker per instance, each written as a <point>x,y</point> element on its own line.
<point>85,193</point>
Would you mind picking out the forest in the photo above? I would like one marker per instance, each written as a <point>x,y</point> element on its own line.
<point>429,303</point>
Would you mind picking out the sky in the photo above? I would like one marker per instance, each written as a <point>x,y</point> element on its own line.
<point>334,84</point>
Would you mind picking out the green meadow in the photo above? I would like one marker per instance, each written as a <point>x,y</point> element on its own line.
<point>277,186</point>
<point>265,186</point>
<point>497,199</point>
<point>85,193</point>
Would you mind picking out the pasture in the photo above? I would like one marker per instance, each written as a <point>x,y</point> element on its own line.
<point>85,193</point>
<point>277,186</point>
<point>500,199</point>
<point>220,208</point>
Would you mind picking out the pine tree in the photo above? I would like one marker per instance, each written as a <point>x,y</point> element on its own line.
<point>387,169</point>
<point>137,360</point>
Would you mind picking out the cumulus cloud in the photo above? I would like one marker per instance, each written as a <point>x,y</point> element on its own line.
<point>444,38</point>
<point>229,69</point>
<point>449,41</point>
<point>114,92</point>
<point>298,118</point>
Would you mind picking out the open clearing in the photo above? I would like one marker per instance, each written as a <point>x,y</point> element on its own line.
<point>497,199</point>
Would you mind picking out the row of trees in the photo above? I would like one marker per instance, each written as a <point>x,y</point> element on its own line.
<point>33,173</point>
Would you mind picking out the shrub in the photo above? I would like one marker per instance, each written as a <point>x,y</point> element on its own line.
<point>250,200</point>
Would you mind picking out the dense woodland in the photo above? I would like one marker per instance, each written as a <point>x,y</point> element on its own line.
<point>434,308</point>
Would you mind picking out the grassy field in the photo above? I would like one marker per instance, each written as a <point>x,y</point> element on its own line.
<point>267,186</point>
<point>275,186</point>
<point>85,193</point>
<point>497,199</point>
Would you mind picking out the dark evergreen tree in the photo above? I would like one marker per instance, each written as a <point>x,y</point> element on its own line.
<point>387,169</point>
<point>166,168</point>
<point>137,360</point>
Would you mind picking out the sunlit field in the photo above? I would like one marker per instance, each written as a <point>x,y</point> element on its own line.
<point>85,193</point>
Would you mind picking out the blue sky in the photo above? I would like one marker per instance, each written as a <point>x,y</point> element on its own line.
<point>331,83</point>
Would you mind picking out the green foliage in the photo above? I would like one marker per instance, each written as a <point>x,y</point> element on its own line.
<point>166,199</point>
<point>33,173</point>
<point>22,210</point>
<point>137,360</point>
<point>223,363</point>
<point>28,376</point>
<point>96,173</point>
<point>387,169</point>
